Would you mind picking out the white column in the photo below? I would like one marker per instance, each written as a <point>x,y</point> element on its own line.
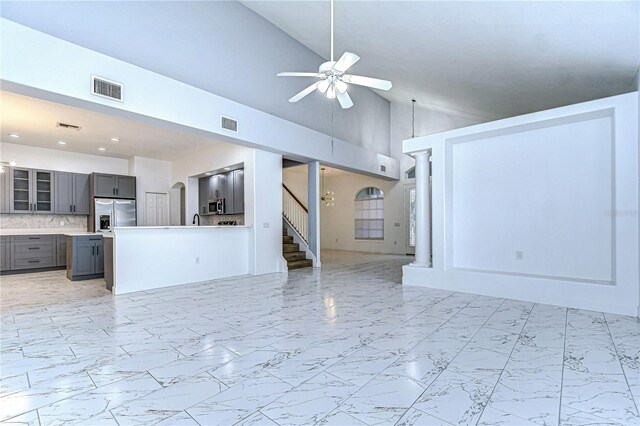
<point>423,210</point>
<point>313,202</point>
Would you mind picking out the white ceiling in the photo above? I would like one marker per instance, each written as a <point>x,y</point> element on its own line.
<point>489,59</point>
<point>35,121</point>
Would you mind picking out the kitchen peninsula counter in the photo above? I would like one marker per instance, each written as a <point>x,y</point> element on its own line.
<point>148,257</point>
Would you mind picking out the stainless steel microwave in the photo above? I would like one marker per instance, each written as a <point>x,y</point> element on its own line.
<point>216,206</point>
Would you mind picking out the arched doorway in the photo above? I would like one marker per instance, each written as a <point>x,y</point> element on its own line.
<point>177,203</point>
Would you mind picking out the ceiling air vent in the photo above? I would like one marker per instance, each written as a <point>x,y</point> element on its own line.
<point>229,124</point>
<point>107,89</point>
<point>68,126</point>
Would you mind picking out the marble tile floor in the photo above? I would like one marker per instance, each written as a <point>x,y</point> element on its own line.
<point>345,345</point>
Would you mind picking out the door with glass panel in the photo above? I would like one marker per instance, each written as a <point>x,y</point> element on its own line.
<point>410,218</point>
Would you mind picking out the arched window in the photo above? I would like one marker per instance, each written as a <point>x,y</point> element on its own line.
<point>369,218</point>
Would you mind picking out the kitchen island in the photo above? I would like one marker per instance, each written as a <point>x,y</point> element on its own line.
<point>148,257</point>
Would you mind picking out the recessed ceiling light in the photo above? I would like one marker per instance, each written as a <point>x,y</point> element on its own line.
<point>102,148</point>
<point>14,135</point>
<point>62,143</point>
<point>227,168</point>
<point>115,139</point>
<point>12,163</point>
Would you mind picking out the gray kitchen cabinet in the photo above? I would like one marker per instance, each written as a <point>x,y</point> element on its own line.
<point>85,257</point>
<point>71,193</point>
<point>126,187</point>
<point>5,256</point>
<point>5,199</point>
<point>61,250</point>
<point>204,195</point>
<point>227,183</point>
<point>238,191</point>
<point>215,186</point>
<point>31,191</point>
<point>113,186</point>
<point>33,251</point>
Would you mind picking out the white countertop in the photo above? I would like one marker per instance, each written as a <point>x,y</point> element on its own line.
<point>205,227</point>
<point>83,234</point>
<point>42,231</point>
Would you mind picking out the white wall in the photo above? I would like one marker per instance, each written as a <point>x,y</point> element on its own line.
<point>30,58</point>
<point>543,191</point>
<point>264,175</point>
<point>147,258</point>
<point>151,176</point>
<point>296,180</point>
<point>562,185</point>
<point>263,192</point>
<point>338,221</point>
<point>55,159</point>
<point>238,54</point>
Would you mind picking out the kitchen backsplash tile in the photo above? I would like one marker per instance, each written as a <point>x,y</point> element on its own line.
<point>213,220</point>
<point>34,221</point>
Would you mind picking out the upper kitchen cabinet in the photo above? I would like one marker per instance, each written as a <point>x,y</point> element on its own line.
<point>113,186</point>
<point>238,191</point>
<point>31,191</point>
<point>71,193</point>
<point>5,198</point>
<point>204,195</point>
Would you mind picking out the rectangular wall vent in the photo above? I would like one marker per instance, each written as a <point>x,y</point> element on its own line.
<point>107,89</point>
<point>68,126</point>
<point>229,124</point>
<point>383,168</point>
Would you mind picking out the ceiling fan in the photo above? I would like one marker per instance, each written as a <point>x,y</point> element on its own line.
<point>334,81</point>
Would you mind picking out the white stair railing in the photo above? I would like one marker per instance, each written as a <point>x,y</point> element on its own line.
<point>295,213</point>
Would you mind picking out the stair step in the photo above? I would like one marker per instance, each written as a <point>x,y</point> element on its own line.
<point>287,239</point>
<point>297,264</point>
<point>296,255</point>
<point>288,247</point>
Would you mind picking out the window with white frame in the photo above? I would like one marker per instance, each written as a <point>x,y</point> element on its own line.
<point>369,218</point>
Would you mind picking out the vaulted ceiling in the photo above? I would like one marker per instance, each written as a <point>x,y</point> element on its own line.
<point>490,59</point>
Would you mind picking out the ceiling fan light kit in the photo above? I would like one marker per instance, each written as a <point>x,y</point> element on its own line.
<point>334,81</point>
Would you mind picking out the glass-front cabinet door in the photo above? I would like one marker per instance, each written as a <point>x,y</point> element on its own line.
<point>43,183</point>
<point>21,190</point>
<point>31,191</point>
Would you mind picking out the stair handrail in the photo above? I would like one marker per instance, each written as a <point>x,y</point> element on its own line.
<point>295,213</point>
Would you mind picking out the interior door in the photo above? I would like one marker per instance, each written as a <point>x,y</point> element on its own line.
<point>156,209</point>
<point>410,214</point>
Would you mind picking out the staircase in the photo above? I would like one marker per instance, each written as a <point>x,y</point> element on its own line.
<point>295,258</point>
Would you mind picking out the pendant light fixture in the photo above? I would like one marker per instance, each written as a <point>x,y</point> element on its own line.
<point>328,197</point>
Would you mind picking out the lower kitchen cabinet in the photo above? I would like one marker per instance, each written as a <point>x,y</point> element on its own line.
<point>85,257</point>
<point>33,251</point>
<point>5,255</point>
<point>61,250</point>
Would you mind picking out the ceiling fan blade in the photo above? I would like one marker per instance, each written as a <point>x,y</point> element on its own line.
<point>345,62</point>
<point>304,93</point>
<point>374,83</point>
<point>323,85</point>
<point>344,99</point>
<point>298,74</point>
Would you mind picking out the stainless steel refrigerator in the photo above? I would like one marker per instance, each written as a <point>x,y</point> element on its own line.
<point>110,213</point>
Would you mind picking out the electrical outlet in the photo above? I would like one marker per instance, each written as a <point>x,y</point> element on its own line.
<point>62,223</point>
<point>198,260</point>
<point>519,255</point>
<point>265,225</point>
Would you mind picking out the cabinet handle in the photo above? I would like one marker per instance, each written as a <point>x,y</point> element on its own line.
<point>97,250</point>
<point>70,208</point>
<point>34,261</point>
<point>34,248</point>
<point>34,238</point>
<point>74,208</point>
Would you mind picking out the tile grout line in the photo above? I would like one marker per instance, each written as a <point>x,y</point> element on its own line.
<point>507,362</point>
<point>615,348</point>
<point>564,350</point>
<point>452,359</point>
